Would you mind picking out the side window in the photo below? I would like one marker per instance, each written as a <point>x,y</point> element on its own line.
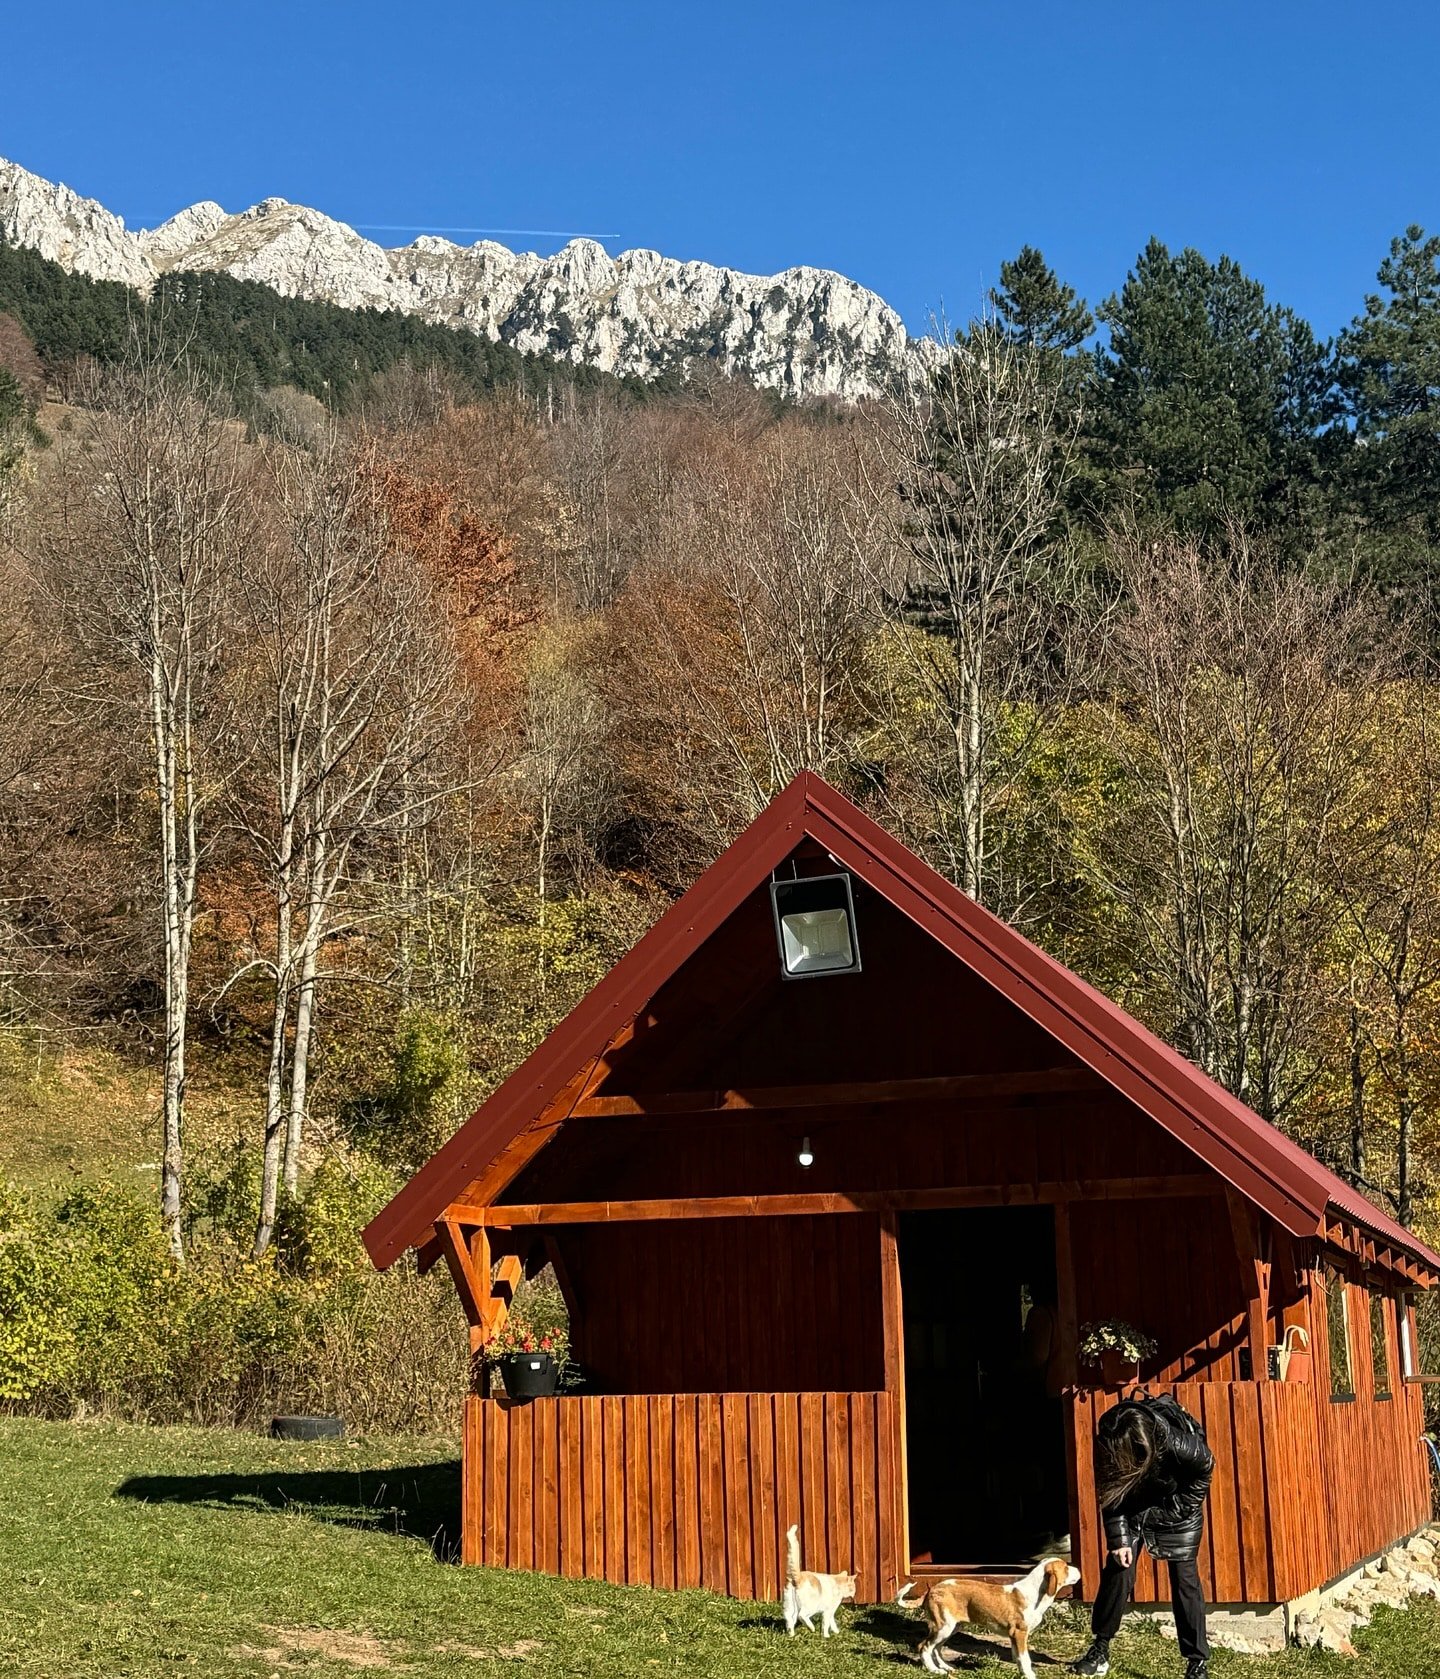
<point>1337,1324</point>
<point>1379,1346</point>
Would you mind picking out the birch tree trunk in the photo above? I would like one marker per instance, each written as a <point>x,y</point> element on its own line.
<point>359,692</point>
<point>982,455</point>
<point>156,491</point>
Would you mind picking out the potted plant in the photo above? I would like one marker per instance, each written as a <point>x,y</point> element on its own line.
<point>1116,1348</point>
<point>529,1358</point>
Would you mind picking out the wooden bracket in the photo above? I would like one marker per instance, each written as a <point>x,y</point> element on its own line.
<point>464,1269</point>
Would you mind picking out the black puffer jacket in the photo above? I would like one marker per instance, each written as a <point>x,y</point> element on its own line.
<point>1166,1511</point>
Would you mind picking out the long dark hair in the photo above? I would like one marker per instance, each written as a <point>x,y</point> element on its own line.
<point>1124,1456</point>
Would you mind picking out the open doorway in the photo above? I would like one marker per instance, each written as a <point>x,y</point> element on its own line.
<point>984,1426</point>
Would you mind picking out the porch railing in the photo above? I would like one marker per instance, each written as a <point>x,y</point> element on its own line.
<point>684,1490</point>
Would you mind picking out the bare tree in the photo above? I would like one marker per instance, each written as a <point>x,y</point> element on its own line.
<point>354,669</point>
<point>1387,877</point>
<point>591,448</point>
<point>151,523</point>
<point>564,765</point>
<point>1238,697</point>
<point>981,455</point>
<point>746,636</point>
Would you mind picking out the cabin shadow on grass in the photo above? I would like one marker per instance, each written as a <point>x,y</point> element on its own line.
<point>416,1500</point>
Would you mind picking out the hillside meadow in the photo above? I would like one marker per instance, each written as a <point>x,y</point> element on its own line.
<point>132,1553</point>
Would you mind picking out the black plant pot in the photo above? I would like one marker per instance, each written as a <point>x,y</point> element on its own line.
<point>529,1375</point>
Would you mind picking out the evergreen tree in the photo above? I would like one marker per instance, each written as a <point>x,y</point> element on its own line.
<point>1033,308</point>
<point>1211,398</point>
<point>1390,371</point>
<point>250,339</point>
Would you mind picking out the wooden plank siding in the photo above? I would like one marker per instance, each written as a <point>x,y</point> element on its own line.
<point>677,1490</point>
<point>759,1305</point>
<point>1302,1489</point>
<point>1377,1472</point>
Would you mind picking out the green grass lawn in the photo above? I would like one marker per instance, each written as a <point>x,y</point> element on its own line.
<point>132,1551</point>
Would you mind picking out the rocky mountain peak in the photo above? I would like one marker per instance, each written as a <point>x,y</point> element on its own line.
<point>805,332</point>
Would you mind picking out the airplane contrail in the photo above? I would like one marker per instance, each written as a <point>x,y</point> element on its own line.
<point>531,232</point>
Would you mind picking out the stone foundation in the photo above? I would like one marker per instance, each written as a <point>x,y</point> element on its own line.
<point>1251,1629</point>
<point>1325,1618</point>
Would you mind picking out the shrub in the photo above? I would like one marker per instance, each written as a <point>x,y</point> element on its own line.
<point>405,1117</point>
<point>95,1316</point>
<point>37,1348</point>
<point>319,1235</point>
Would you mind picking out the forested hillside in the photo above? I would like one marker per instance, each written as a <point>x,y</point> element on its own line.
<point>368,689</point>
<point>249,338</point>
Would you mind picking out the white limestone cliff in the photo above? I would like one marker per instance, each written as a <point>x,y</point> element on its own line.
<point>805,332</point>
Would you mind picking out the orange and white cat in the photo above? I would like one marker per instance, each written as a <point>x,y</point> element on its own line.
<point>808,1595</point>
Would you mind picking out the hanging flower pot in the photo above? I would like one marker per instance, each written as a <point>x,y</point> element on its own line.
<point>1116,1370</point>
<point>529,1375</point>
<point>1115,1349</point>
<point>529,1359</point>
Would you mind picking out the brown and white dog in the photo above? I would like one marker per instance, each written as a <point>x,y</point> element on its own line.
<point>1016,1610</point>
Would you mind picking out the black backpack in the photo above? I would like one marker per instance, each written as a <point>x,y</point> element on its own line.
<point>1163,1406</point>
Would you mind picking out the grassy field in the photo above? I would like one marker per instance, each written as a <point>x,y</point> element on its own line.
<point>141,1552</point>
<point>92,1114</point>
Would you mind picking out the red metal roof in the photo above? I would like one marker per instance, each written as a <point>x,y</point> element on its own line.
<point>1259,1161</point>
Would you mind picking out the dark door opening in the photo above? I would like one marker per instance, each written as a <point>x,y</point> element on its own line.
<point>984,1426</point>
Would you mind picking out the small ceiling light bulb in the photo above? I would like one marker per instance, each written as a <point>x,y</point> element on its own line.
<point>807,1154</point>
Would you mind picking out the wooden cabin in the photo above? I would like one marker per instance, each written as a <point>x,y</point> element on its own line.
<point>803,1222</point>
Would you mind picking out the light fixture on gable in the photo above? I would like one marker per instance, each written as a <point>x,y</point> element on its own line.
<point>815,926</point>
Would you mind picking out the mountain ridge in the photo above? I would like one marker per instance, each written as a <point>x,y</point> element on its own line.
<point>805,332</point>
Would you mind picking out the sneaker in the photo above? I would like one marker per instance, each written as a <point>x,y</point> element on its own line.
<point>1198,1667</point>
<point>1096,1660</point>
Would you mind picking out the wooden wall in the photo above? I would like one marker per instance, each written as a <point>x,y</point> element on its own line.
<point>1074,1138</point>
<point>728,1305</point>
<point>682,1490</point>
<point>1377,1473</point>
<point>1303,1488</point>
<point>1171,1268</point>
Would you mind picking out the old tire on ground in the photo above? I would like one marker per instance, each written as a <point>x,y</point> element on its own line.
<point>306,1428</point>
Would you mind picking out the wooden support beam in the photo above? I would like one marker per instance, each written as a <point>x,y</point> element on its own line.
<point>1048,1081</point>
<point>520,1151</point>
<point>837,1201</point>
<point>474,1295</point>
<point>892,1332</point>
<point>507,1279</point>
<point>1253,1282</point>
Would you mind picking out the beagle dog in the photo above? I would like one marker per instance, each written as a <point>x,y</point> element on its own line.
<point>1014,1610</point>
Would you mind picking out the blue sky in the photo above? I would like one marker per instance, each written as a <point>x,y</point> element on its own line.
<point>912,146</point>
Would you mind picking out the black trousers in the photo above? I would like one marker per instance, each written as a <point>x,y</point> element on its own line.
<point>1187,1600</point>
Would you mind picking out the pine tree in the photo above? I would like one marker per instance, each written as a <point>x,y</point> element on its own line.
<point>1033,308</point>
<point>1390,370</point>
<point>1210,397</point>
